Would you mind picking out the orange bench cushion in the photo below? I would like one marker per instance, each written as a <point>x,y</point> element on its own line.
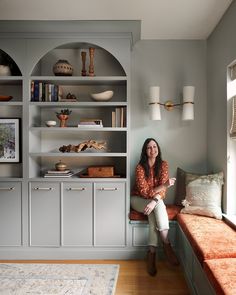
<point>222,275</point>
<point>172,211</point>
<point>210,238</point>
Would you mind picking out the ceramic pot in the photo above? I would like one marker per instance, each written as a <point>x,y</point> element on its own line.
<point>5,70</point>
<point>62,68</point>
<point>63,119</point>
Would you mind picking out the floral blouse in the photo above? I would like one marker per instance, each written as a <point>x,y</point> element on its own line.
<point>144,187</point>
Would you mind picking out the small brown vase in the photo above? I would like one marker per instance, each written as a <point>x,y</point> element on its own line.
<point>63,119</point>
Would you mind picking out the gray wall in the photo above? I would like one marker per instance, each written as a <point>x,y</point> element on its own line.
<point>170,65</point>
<point>221,51</point>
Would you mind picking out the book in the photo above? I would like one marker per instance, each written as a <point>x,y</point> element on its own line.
<point>117,112</point>
<point>90,123</point>
<point>36,90</point>
<point>113,119</point>
<point>32,91</point>
<point>58,172</point>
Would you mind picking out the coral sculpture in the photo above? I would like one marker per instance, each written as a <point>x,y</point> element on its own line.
<point>82,146</point>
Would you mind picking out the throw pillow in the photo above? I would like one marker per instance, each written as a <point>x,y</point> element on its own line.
<point>180,191</point>
<point>203,195</point>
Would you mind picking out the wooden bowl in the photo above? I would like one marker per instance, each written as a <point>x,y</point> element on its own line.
<point>5,97</point>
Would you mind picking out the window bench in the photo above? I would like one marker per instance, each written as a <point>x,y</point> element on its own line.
<point>206,248</point>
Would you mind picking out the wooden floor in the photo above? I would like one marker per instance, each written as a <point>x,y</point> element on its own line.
<point>133,278</point>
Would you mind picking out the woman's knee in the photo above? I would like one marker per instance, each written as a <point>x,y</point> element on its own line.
<point>137,203</point>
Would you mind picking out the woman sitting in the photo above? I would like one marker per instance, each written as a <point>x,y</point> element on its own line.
<point>151,181</point>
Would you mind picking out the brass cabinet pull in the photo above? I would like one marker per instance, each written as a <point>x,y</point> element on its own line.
<point>7,188</point>
<point>108,189</point>
<point>76,189</point>
<point>43,188</point>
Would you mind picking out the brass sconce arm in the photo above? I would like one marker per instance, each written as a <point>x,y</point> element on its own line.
<point>169,105</point>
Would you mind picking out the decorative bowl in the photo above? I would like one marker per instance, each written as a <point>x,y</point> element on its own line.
<point>60,166</point>
<point>51,123</point>
<point>102,96</point>
<point>5,97</point>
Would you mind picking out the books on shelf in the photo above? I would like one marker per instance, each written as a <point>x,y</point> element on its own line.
<point>90,123</point>
<point>56,173</point>
<point>118,117</point>
<point>43,91</point>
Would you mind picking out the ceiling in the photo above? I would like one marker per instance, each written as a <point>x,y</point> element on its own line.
<point>160,19</point>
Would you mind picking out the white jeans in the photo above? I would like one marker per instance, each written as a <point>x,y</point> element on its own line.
<point>158,219</point>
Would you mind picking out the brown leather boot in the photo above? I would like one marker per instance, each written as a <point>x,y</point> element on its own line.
<point>170,254</point>
<point>151,263</point>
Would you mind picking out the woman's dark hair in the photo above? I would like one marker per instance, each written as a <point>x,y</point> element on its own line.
<point>144,159</point>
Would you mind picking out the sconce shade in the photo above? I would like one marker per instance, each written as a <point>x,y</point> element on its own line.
<point>233,123</point>
<point>154,112</point>
<point>188,103</point>
<point>154,94</point>
<point>154,99</point>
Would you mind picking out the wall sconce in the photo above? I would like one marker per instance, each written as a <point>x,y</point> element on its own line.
<point>188,103</point>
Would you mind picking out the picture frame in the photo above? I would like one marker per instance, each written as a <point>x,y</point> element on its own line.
<point>9,140</point>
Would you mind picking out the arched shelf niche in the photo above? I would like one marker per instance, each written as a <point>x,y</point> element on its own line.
<point>105,64</point>
<point>6,60</point>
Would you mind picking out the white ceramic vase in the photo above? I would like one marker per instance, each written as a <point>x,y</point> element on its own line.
<point>5,70</point>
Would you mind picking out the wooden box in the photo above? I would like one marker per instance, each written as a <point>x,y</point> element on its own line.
<point>101,171</point>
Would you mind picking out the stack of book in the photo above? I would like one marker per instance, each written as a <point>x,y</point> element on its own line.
<point>56,173</point>
<point>90,123</point>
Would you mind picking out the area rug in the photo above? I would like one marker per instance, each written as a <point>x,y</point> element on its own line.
<point>58,279</point>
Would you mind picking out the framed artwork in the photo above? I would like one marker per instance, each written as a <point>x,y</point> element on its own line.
<point>9,140</point>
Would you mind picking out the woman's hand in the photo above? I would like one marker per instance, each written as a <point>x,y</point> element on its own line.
<point>170,182</point>
<point>150,206</point>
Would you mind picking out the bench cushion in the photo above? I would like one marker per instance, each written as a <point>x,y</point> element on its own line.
<point>222,275</point>
<point>210,238</point>
<point>172,211</point>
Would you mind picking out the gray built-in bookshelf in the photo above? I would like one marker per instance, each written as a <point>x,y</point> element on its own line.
<point>79,217</point>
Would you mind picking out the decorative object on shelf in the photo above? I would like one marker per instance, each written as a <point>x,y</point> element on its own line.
<point>91,65</point>
<point>83,146</point>
<point>102,96</point>
<point>62,68</point>
<point>9,140</point>
<point>188,103</point>
<point>5,70</point>
<point>50,123</point>
<point>83,56</point>
<point>70,97</point>
<point>63,116</point>
<point>101,171</point>
<point>60,166</point>
<point>7,65</point>
<point>5,97</point>
<point>90,123</point>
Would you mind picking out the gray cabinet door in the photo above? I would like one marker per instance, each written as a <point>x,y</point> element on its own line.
<point>109,214</point>
<point>10,214</point>
<point>77,214</point>
<point>45,214</point>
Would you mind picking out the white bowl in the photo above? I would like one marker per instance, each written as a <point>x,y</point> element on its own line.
<point>51,123</point>
<point>102,96</point>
